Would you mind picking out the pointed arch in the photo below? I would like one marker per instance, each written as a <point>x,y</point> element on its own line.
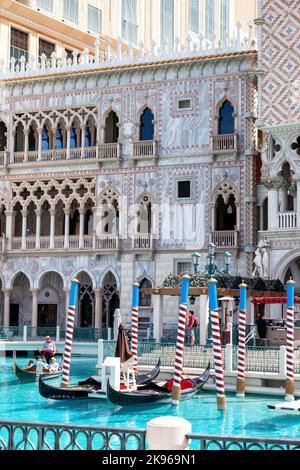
<point>146,124</point>
<point>111,134</point>
<point>226,118</point>
<point>115,274</point>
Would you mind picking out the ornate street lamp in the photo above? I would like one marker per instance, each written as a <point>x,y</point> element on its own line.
<point>196,258</point>
<point>227,259</point>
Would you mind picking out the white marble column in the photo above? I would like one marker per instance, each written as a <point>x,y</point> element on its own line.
<point>68,129</point>
<point>283,199</point>
<point>81,228</point>
<point>6,293</point>
<point>26,134</point>
<point>273,201</point>
<point>67,293</point>
<point>34,315</point>
<point>67,228</point>
<point>38,230</point>
<point>40,132</point>
<point>158,306</point>
<point>24,228</point>
<point>52,229</point>
<point>10,227</point>
<point>82,141</point>
<point>98,307</point>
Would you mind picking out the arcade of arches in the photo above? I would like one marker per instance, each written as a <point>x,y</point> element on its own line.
<point>45,306</point>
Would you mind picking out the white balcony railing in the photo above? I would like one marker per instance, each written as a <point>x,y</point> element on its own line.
<point>107,242</point>
<point>109,151</point>
<point>146,148</point>
<point>287,220</point>
<point>143,241</point>
<point>224,143</point>
<point>225,238</point>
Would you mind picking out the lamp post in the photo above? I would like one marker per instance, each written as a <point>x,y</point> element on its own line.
<point>195,258</point>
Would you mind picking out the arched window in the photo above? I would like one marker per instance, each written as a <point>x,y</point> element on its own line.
<point>3,138</point>
<point>111,128</point>
<point>73,137</point>
<point>45,139</point>
<point>88,136</point>
<point>31,139</point>
<point>226,213</point>
<point>59,137</point>
<point>19,138</point>
<point>145,299</point>
<point>146,125</point>
<point>226,119</point>
<point>144,222</point>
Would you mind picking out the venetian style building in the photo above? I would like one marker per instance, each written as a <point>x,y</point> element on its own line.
<point>279,121</point>
<point>117,165</point>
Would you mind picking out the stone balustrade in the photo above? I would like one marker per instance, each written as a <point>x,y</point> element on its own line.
<point>287,220</point>
<point>225,238</point>
<point>146,148</point>
<point>89,242</point>
<point>224,143</point>
<point>143,241</point>
<point>99,59</point>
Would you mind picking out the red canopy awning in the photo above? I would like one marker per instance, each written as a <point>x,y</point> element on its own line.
<point>272,300</point>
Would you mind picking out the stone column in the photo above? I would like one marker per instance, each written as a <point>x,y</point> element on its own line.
<point>68,142</point>
<point>34,317</point>
<point>40,132</point>
<point>24,227</point>
<point>52,229</point>
<point>38,229</point>
<point>81,228</point>
<point>10,227</point>
<point>273,200</point>
<point>26,134</point>
<point>158,305</point>
<point>67,228</point>
<point>298,203</point>
<point>98,307</point>
<point>283,198</point>
<point>82,140</point>
<point>6,293</point>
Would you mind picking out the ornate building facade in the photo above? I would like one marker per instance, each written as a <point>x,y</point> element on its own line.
<point>279,121</point>
<point>118,170</point>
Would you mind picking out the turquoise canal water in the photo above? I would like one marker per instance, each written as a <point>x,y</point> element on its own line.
<point>250,416</point>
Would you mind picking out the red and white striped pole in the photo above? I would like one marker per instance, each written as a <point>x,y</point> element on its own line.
<point>240,383</point>
<point>218,361</point>
<point>69,333</point>
<point>135,325</point>
<point>289,383</point>
<point>176,389</point>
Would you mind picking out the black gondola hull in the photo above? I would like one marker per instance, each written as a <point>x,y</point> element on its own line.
<point>26,376</point>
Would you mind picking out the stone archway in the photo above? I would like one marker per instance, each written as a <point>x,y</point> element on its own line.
<point>20,301</point>
<point>51,302</point>
<point>86,301</point>
<point>111,299</point>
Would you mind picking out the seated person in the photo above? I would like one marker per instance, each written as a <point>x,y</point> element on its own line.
<point>54,366</point>
<point>44,367</point>
<point>30,363</point>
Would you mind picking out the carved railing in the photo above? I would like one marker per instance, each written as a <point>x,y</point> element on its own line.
<point>287,220</point>
<point>109,151</point>
<point>146,148</point>
<point>224,143</point>
<point>143,241</point>
<point>107,242</point>
<point>225,238</point>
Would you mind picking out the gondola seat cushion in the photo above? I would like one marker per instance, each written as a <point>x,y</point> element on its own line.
<point>185,384</point>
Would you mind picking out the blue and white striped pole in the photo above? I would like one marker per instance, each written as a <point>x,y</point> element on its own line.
<point>135,324</point>
<point>184,294</point>
<point>217,349</point>
<point>69,333</point>
<point>289,383</point>
<point>240,383</point>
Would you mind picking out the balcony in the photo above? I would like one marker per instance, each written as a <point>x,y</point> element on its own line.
<point>225,239</point>
<point>287,220</point>
<point>146,149</point>
<point>71,243</point>
<point>224,143</point>
<point>102,152</point>
<point>143,242</point>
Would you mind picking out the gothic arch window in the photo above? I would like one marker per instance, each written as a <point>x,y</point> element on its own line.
<point>226,118</point>
<point>59,140</point>
<point>111,128</point>
<point>73,137</point>
<point>109,201</point>
<point>111,299</point>
<point>45,138</point>
<point>145,299</point>
<point>19,138</point>
<point>144,215</point>
<point>32,139</point>
<point>3,136</point>
<point>146,125</point>
<point>225,213</point>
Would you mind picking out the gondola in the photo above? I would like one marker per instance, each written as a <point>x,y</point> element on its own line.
<point>89,388</point>
<point>156,394</point>
<point>27,376</point>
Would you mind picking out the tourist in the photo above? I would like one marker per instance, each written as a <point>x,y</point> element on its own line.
<point>30,364</point>
<point>54,366</point>
<point>49,348</point>
<point>192,322</point>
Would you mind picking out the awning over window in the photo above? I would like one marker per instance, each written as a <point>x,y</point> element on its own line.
<point>272,300</point>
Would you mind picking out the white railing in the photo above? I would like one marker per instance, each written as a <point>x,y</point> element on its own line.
<point>44,243</point>
<point>75,153</point>
<point>225,238</point>
<point>16,243</point>
<point>224,143</point>
<point>124,56</point>
<point>107,242</point>
<point>19,157</point>
<point>32,156</point>
<point>30,243</point>
<point>59,242</point>
<point>143,241</point>
<point>73,241</point>
<point>1,158</point>
<point>88,241</point>
<point>90,152</point>
<point>146,148</point>
<point>109,151</point>
<point>287,220</point>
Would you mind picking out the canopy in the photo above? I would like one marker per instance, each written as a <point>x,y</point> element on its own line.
<point>122,348</point>
<point>272,300</point>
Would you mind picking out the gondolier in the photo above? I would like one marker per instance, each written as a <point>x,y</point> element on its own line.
<point>49,349</point>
